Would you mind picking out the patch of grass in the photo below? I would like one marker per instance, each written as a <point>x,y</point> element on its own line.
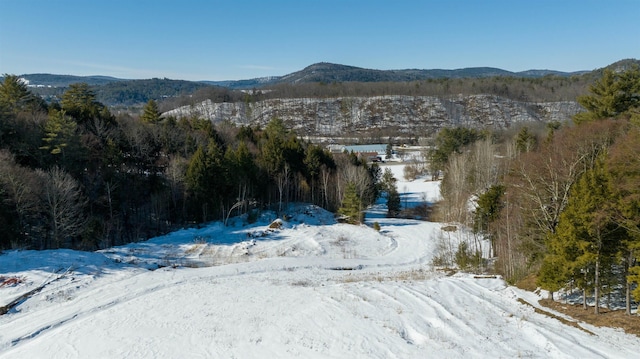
<point>528,283</point>
<point>301,283</point>
<point>403,276</point>
<point>450,228</point>
<point>195,248</point>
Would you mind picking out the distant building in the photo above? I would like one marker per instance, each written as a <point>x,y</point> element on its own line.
<point>373,153</point>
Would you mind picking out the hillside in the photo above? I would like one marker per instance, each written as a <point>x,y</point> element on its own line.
<point>312,288</point>
<point>327,72</point>
<point>371,82</point>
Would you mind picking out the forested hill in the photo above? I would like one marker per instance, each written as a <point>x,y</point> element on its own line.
<point>325,72</point>
<point>112,91</point>
<point>123,92</point>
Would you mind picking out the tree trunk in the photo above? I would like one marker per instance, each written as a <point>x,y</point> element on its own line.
<point>627,294</point>
<point>597,286</point>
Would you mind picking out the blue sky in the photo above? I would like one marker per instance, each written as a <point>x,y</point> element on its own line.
<point>242,39</point>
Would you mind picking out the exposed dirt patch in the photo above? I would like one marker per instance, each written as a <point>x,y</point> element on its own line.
<point>528,283</point>
<point>606,318</point>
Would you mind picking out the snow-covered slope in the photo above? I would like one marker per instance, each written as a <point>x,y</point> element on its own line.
<point>310,289</point>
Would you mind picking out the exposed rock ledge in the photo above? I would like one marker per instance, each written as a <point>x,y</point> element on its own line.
<point>409,115</point>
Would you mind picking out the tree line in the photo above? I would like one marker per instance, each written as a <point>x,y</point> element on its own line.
<point>74,175</point>
<point>170,94</point>
<point>561,201</point>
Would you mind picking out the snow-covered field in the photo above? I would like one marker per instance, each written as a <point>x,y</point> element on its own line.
<point>313,288</point>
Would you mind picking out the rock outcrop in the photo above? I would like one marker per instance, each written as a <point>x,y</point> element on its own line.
<point>409,115</point>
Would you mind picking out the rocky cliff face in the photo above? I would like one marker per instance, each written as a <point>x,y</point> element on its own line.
<point>402,114</point>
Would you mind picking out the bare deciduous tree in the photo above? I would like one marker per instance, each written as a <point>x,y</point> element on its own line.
<point>63,203</point>
<point>22,191</point>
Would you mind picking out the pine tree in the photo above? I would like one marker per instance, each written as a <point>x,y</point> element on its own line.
<point>205,179</point>
<point>587,238</point>
<point>525,140</point>
<point>241,172</point>
<point>489,207</point>
<point>615,94</point>
<point>623,163</point>
<point>393,202</point>
<point>553,274</point>
<point>59,131</point>
<point>448,142</point>
<point>151,114</point>
<point>351,207</point>
<point>79,102</point>
<point>490,204</point>
<point>387,181</point>
<point>15,96</point>
<point>61,140</point>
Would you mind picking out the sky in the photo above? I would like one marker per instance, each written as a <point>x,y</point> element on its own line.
<point>243,39</point>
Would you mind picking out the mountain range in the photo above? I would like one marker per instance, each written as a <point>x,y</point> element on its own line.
<point>319,72</point>
<point>328,72</point>
<point>128,92</point>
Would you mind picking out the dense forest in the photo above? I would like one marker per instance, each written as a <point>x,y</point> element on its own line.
<point>562,201</point>
<point>545,89</point>
<point>74,175</point>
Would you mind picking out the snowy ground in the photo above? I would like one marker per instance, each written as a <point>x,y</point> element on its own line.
<point>311,289</point>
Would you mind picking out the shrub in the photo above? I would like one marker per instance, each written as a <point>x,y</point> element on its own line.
<point>465,258</point>
<point>410,172</point>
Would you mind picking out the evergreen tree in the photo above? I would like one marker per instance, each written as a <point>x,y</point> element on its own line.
<point>151,114</point>
<point>61,141</point>
<point>16,97</point>
<point>351,207</point>
<point>272,147</point>
<point>79,102</point>
<point>388,185</point>
<point>241,173</point>
<point>59,131</point>
<point>387,181</point>
<point>449,141</point>
<point>489,207</point>
<point>488,211</point>
<point>615,94</point>
<point>393,202</point>
<point>587,237</point>
<point>205,179</point>
<point>623,164</point>
<point>525,141</point>
<point>553,274</point>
